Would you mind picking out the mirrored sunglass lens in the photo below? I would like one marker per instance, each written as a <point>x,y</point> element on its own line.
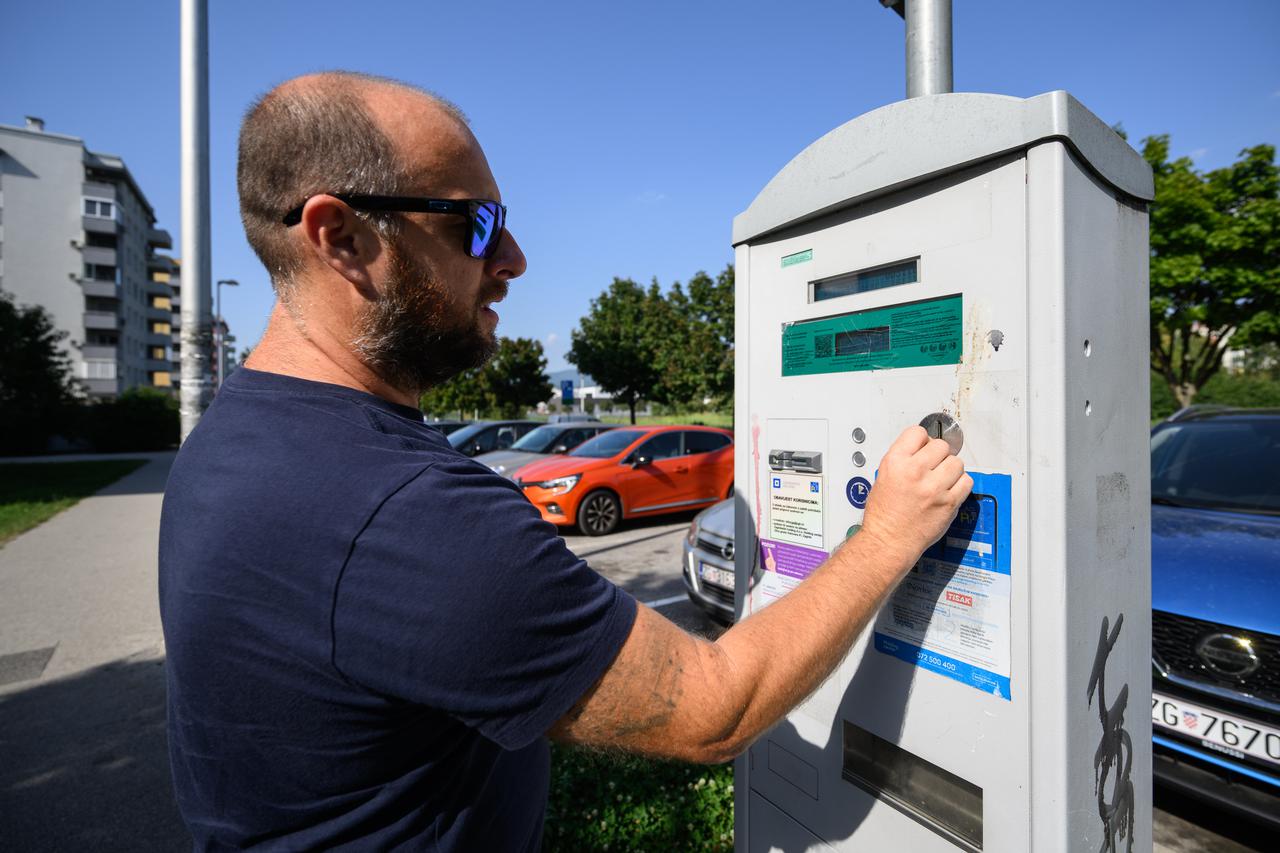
<point>484,227</point>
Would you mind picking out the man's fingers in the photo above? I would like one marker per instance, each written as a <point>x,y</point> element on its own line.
<point>961,490</point>
<point>934,452</point>
<point>912,439</point>
<point>948,472</point>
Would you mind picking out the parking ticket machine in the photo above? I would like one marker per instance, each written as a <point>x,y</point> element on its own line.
<point>976,264</point>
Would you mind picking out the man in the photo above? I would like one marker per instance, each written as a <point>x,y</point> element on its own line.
<point>370,638</point>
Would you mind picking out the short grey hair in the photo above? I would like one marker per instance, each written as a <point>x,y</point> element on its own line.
<point>302,139</point>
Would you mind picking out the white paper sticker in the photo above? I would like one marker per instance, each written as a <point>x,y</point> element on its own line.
<point>795,509</point>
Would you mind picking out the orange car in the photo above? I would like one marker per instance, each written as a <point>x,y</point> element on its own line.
<point>632,472</point>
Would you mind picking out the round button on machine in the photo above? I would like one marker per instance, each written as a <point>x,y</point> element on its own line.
<point>859,459</point>
<point>858,435</point>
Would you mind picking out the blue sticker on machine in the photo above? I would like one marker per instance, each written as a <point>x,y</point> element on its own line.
<point>856,490</point>
<point>950,615</point>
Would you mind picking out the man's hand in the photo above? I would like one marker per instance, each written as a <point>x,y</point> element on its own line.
<point>674,695</point>
<point>917,492</point>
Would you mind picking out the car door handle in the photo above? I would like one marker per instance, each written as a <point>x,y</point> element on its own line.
<point>682,469</point>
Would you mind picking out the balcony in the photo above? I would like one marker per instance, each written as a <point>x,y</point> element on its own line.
<point>157,339</point>
<point>106,320</point>
<point>101,387</point>
<point>99,225</point>
<point>159,238</point>
<point>154,364</point>
<point>89,351</point>
<point>99,255</point>
<point>160,263</point>
<point>106,289</point>
<point>93,189</point>
<point>164,315</point>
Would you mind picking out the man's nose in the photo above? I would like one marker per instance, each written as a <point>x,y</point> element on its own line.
<point>508,262</point>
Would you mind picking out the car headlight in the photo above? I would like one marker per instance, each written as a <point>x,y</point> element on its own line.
<point>692,536</point>
<point>559,485</point>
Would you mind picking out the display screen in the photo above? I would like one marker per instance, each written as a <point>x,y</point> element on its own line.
<point>891,275</point>
<point>863,341</point>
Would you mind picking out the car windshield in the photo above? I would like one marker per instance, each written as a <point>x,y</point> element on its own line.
<point>607,444</point>
<point>1218,464</point>
<point>460,437</point>
<point>541,440</point>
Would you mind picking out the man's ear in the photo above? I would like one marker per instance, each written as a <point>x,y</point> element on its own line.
<point>341,240</point>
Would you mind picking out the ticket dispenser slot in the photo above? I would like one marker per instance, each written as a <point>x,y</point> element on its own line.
<point>940,262</point>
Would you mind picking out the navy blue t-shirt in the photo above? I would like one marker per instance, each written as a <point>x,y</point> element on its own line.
<point>368,634</point>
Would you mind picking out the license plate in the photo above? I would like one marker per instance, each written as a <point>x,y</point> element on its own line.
<point>1221,732</point>
<point>719,577</point>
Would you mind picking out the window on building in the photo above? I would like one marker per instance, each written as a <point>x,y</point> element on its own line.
<point>97,368</point>
<point>100,208</point>
<point>101,272</point>
<point>101,241</point>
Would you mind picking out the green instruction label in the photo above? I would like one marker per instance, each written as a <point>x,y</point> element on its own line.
<point>914,335</point>
<point>797,258</point>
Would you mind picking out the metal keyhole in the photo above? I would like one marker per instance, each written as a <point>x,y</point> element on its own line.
<point>943,426</point>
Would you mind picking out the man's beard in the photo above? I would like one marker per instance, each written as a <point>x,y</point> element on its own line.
<point>416,335</point>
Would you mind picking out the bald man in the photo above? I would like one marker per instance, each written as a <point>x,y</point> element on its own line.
<point>370,637</point>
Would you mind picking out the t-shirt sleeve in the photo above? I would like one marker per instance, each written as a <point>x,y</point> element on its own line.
<point>458,596</point>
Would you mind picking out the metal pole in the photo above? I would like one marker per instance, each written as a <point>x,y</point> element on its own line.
<point>220,328</point>
<point>196,266</point>
<point>928,47</point>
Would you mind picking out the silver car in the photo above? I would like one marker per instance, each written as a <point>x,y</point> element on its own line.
<point>539,444</point>
<point>708,561</point>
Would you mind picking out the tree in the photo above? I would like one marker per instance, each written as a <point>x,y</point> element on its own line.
<point>516,378</point>
<point>698,358</point>
<point>38,394</point>
<point>618,341</point>
<point>463,394</point>
<point>1215,262</point>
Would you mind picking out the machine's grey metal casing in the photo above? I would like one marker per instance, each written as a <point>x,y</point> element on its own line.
<point>1034,213</point>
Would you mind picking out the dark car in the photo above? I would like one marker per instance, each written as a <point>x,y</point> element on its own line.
<point>540,443</point>
<point>483,436</point>
<point>1215,593</point>
<point>447,426</point>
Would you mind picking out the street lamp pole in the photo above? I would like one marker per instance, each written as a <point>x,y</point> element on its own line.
<point>222,328</point>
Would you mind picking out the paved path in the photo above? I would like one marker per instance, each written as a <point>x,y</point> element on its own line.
<point>83,763</point>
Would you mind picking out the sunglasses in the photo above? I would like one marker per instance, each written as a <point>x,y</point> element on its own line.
<point>487,218</point>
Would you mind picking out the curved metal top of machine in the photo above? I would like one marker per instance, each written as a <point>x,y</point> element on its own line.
<point>912,141</point>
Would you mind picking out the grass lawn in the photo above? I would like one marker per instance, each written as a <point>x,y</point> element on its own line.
<point>623,803</point>
<point>33,492</point>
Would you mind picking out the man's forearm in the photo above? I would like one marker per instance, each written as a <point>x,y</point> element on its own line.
<point>778,656</point>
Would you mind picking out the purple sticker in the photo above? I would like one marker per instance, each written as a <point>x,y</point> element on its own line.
<point>793,561</point>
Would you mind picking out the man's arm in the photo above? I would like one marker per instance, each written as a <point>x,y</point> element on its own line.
<point>671,694</point>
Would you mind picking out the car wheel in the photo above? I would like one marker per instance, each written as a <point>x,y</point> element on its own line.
<point>599,513</point>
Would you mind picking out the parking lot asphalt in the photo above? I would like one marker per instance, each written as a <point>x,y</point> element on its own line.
<point>83,761</point>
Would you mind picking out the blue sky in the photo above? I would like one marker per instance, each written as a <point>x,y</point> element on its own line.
<point>625,137</point>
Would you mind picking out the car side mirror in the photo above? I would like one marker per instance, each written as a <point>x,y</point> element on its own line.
<point>475,450</point>
<point>560,448</point>
<point>640,459</point>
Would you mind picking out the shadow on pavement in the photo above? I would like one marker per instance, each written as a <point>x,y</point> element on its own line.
<point>84,763</point>
<point>147,480</point>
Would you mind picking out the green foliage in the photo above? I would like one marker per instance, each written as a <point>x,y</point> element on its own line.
<point>608,802</point>
<point>618,341</point>
<point>139,419</point>
<point>35,492</point>
<point>37,391</point>
<point>1215,262</point>
<point>674,350</point>
<point>514,380</point>
<point>1246,390</point>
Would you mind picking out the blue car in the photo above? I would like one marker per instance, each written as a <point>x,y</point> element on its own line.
<point>1215,594</point>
